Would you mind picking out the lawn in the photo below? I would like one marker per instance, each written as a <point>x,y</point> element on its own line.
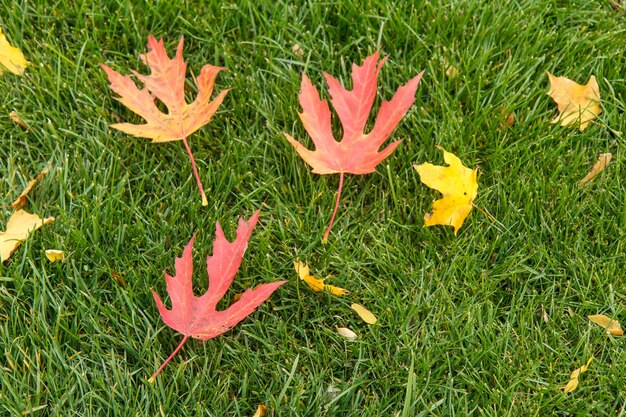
<point>490,322</point>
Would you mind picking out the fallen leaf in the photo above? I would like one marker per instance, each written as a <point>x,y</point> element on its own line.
<point>364,313</point>
<point>507,118</point>
<point>452,71</point>
<point>573,379</point>
<point>11,58</point>
<point>54,255</point>
<point>120,281</point>
<point>17,119</point>
<point>167,84</point>
<point>20,225</point>
<point>611,326</point>
<point>198,317</point>
<point>598,167</point>
<point>578,104</point>
<point>260,411</point>
<point>316,284</point>
<point>21,200</point>
<point>297,50</point>
<point>347,333</point>
<point>357,152</point>
<point>458,185</point>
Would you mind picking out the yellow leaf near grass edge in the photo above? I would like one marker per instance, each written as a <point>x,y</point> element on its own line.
<point>19,227</point>
<point>11,58</point>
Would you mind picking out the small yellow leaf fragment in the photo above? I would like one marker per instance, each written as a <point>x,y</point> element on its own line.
<point>54,255</point>
<point>601,163</point>
<point>347,333</point>
<point>364,313</point>
<point>11,58</point>
<point>459,187</point>
<point>452,71</point>
<point>17,119</point>
<point>260,411</point>
<point>573,379</point>
<point>316,284</point>
<point>21,200</point>
<point>20,225</point>
<point>611,326</point>
<point>578,104</point>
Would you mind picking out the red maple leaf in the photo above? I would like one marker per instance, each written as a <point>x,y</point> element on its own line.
<point>357,152</point>
<point>197,316</point>
<point>167,84</point>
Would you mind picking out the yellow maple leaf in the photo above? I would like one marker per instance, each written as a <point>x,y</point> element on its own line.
<point>316,284</point>
<point>578,104</point>
<point>20,225</point>
<point>573,379</point>
<point>11,58</point>
<point>611,326</point>
<point>459,187</point>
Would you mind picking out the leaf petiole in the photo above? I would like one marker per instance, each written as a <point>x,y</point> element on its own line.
<point>205,202</point>
<point>489,216</point>
<point>330,225</point>
<point>153,377</point>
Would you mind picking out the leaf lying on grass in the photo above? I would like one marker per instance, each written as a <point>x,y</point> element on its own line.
<point>458,185</point>
<point>54,255</point>
<point>357,151</point>
<point>316,284</point>
<point>198,317</point>
<point>364,313</point>
<point>21,200</point>
<point>20,226</point>
<point>346,333</point>
<point>11,58</point>
<point>598,167</point>
<point>573,379</point>
<point>578,104</point>
<point>611,326</point>
<point>167,84</point>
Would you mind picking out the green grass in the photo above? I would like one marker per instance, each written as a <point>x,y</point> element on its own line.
<point>460,330</point>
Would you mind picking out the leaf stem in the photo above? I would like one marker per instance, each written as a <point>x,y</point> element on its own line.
<point>153,377</point>
<point>205,202</point>
<point>330,225</point>
<point>491,219</point>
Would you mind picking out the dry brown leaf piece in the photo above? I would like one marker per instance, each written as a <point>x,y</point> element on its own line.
<point>601,163</point>
<point>611,326</point>
<point>578,104</point>
<point>20,225</point>
<point>364,313</point>
<point>573,379</point>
